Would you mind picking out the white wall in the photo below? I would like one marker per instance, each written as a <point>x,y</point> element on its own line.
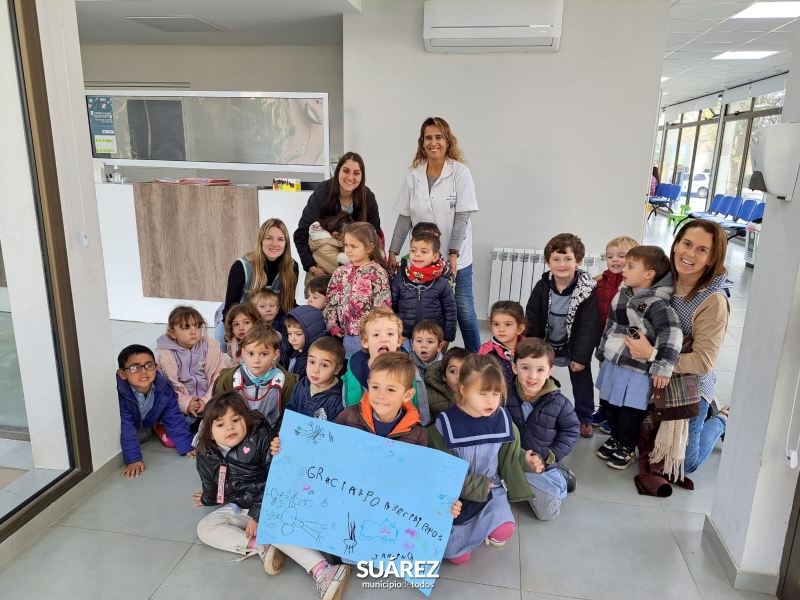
<point>556,142</point>
<point>228,68</point>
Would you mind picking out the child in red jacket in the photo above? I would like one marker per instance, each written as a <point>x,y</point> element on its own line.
<point>608,283</point>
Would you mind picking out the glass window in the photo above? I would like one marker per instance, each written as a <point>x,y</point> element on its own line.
<point>684,162</point>
<point>759,125</point>
<point>690,117</point>
<point>668,162</point>
<point>771,100</point>
<point>657,149</point>
<point>662,118</point>
<point>740,106</point>
<point>701,178</point>
<point>730,160</point>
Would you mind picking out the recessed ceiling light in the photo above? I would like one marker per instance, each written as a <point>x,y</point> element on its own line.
<point>745,54</point>
<point>664,93</point>
<point>663,79</point>
<point>770,10</point>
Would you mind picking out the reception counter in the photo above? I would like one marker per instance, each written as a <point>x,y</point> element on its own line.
<point>124,262</point>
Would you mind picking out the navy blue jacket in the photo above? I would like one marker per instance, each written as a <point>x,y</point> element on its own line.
<point>413,302</point>
<point>165,409</point>
<point>552,425</point>
<point>313,324</point>
<point>323,405</point>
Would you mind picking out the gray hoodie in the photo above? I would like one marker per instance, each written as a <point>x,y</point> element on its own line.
<point>190,364</point>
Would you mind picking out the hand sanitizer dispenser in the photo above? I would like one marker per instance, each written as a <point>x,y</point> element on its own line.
<point>778,159</point>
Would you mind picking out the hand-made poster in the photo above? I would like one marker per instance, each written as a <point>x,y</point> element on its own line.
<point>358,496</point>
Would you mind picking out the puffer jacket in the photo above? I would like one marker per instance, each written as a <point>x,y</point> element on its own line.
<point>313,325</point>
<point>247,468</point>
<point>607,288</point>
<point>440,397</point>
<point>325,405</point>
<point>649,310</point>
<point>408,430</point>
<point>413,302</point>
<point>551,426</point>
<point>582,315</point>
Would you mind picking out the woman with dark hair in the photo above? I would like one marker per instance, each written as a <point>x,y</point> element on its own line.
<point>655,179</point>
<point>702,288</point>
<point>439,189</point>
<point>346,191</point>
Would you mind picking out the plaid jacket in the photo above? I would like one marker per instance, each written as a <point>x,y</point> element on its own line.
<point>651,312</point>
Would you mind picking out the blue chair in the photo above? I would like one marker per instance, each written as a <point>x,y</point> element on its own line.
<point>717,210</point>
<point>673,195</point>
<point>659,199</point>
<point>738,224</point>
<point>758,213</point>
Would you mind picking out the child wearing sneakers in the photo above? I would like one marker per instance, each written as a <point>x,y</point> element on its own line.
<point>507,322</point>
<point>302,327</point>
<point>642,307</point>
<point>547,424</point>
<point>481,432</point>
<point>420,291</point>
<point>235,455</point>
<point>608,283</point>
<point>562,310</point>
<point>147,404</point>
<point>319,393</point>
<point>380,332</point>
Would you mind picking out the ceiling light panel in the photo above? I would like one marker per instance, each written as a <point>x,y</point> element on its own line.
<point>745,55</point>
<point>770,10</point>
<point>178,24</point>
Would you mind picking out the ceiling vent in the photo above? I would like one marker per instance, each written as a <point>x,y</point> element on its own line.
<point>178,24</point>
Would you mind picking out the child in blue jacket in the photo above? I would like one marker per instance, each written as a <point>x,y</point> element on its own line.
<point>147,404</point>
<point>319,393</point>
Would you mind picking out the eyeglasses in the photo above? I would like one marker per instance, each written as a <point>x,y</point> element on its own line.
<point>149,366</point>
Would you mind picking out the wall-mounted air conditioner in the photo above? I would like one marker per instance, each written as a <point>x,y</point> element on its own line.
<point>478,26</point>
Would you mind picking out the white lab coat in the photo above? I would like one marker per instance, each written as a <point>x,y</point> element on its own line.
<point>453,192</point>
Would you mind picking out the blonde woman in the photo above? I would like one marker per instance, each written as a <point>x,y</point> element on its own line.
<point>268,266</point>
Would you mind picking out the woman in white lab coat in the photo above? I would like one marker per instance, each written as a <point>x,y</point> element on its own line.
<point>439,189</point>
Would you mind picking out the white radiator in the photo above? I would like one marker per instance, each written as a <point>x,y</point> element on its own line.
<point>515,271</point>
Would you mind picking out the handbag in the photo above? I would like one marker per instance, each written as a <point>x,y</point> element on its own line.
<point>680,399</point>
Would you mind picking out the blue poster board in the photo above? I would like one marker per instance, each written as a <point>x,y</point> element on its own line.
<point>101,124</point>
<point>359,496</point>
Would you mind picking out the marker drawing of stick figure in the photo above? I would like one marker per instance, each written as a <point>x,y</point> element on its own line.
<point>350,542</point>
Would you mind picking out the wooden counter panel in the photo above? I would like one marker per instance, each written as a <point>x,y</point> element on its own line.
<point>189,236</point>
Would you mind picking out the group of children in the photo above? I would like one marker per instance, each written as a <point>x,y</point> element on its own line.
<point>367,352</point>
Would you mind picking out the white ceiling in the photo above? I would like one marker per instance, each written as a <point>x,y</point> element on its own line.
<point>249,22</point>
<point>702,29</point>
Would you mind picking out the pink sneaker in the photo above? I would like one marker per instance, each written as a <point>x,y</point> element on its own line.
<point>161,433</point>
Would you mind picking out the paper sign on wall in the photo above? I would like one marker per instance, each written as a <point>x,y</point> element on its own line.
<point>357,495</point>
<point>101,124</point>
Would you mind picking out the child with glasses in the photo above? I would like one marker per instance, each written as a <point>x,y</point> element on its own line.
<point>147,404</point>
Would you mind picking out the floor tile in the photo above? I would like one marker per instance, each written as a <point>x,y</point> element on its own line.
<point>708,575</point>
<point>535,596</point>
<point>701,499</point>
<point>78,563</point>
<point>156,504</point>
<point>735,332</point>
<point>637,537</point>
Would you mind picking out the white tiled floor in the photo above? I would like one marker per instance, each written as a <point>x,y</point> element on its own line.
<point>136,539</point>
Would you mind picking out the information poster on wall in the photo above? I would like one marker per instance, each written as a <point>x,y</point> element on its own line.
<point>101,124</point>
<point>361,497</point>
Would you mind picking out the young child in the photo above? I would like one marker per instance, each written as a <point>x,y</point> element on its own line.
<point>380,332</point>
<point>562,310</point>
<point>319,393</point>
<point>420,291</point>
<point>325,241</point>
<point>481,432</point>
<point>260,380</point>
<point>269,307</point>
<point>547,424</point>
<point>147,404</point>
<point>507,322</point>
<point>190,360</point>
<point>441,380</point>
<point>239,440</point>
<point>358,286</point>
<point>317,291</point>
<point>240,319</point>
<point>425,344</point>
<point>641,307</point>
<point>302,327</point>
<point>608,283</point>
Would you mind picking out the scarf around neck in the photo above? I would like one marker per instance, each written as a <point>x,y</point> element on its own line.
<point>424,274</point>
<point>260,380</point>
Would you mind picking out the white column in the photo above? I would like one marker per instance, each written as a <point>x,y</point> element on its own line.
<point>755,487</point>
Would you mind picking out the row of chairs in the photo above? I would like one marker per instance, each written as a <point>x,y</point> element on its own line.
<point>731,212</point>
<point>665,196</point>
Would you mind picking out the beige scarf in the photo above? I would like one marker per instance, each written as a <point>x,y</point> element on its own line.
<point>670,447</point>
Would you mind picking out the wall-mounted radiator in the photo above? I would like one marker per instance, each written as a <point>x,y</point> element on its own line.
<point>515,271</point>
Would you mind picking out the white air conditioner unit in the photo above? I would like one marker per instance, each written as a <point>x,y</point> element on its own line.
<point>479,26</point>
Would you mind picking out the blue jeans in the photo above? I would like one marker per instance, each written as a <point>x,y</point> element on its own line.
<point>703,436</point>
<point>352,344</point>
<point>465,305</point>
<point>219,335</point>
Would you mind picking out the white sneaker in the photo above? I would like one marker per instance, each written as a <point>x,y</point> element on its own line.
<point>332,581</point>
<point>494,542</point>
